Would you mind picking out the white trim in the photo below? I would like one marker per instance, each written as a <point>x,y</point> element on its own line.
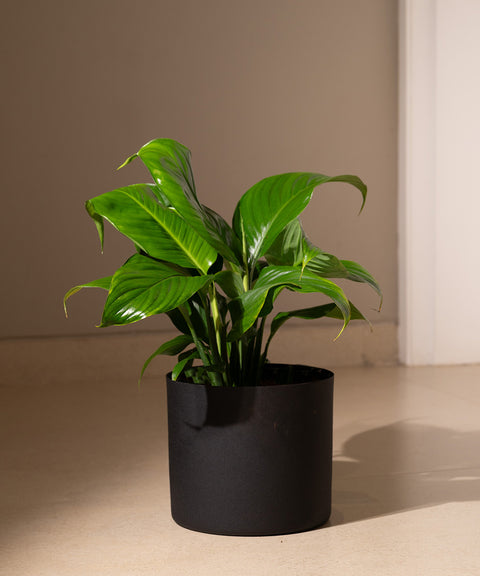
<point>439,196</point>
<point>417,160</point>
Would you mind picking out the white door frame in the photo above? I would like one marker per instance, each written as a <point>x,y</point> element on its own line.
<point>439,190</point>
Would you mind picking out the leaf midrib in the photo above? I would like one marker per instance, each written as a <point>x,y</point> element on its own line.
<point>169,232</point>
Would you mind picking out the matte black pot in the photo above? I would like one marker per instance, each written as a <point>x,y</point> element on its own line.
<point>252,460</point>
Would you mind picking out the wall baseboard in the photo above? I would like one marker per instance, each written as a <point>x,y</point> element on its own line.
<point>40,360</point>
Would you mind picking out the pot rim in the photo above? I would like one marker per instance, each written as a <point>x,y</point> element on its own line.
<point>316,374</point>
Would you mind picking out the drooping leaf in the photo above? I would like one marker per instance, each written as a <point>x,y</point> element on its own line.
<point>175,345</point>
<point>98,222</point>
<point>170,348</point>
<point>100,283</point>
<point>143,287</point>
<point>325,310</point>
<point>268,206</point>
<point>358,273</point>
<point>315,312</point>
<point>159,231</point>
<point>292,248</point>
<point>327,266</point>
<point>246,308</point>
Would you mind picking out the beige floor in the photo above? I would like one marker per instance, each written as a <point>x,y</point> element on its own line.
<point>84,486</point>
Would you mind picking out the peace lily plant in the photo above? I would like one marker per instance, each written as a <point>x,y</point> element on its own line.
<point>216,282</point>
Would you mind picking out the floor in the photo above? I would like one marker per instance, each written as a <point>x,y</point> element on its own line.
<point>84,483</point>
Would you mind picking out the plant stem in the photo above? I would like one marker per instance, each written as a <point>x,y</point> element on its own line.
<point>215,330</point>
<point>214,376</point>
<point>258,360</point>
<point>246,276</point>
<point>217,320</point>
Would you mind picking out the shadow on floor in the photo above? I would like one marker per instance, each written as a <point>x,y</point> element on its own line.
<point>401,467</point>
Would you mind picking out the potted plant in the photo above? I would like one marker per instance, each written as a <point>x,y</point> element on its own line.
<point>250,443</point>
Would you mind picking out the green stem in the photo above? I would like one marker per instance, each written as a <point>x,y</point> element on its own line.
<point>267,346</point>
<point>217,320</point>
<point>214,331</point>
<point>215,377</point>
<point>225,356</point>
<point>258,359</point>
<point>246,275</point>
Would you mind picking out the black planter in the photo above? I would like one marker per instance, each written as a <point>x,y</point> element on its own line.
<point>253,460</point>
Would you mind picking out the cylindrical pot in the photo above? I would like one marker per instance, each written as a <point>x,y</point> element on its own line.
<point>252,460</point>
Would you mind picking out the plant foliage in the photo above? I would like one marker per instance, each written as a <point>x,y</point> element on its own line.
<point>217,283</point>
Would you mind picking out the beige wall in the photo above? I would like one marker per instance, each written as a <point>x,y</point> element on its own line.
<point>252,88</point>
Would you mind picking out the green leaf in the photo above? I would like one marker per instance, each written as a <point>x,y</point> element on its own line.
<point>325,310</point>
<point>358,273</point>
<point>355,314</point>
<point>98,222</point>
<point>185,362</point>
<point>143,287</point>
<point>175,346</point>
<point>312,313</point>
<point>291,247</point>
<point>246,308</point>
<point>197,318</point>
<point>287,248</point>
<point>170,348</point>
<point>159,231</point>
<point>268,206</point>
<point>221,236</point>
<point>100,283</point>
<point>230,282</point>
<point>168,162</point>
<point>177,319</point>
<point>327,266</point>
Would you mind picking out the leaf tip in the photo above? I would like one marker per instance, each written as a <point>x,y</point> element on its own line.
<point>127,161</point>
<point>340,333</point>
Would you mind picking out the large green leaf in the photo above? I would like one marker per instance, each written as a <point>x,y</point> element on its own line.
<point>100,283</point>
<point>268,206</point>
<point>159,231</point>
<point>143,287</point>
<point>168,162</point>
<point>247,307</point>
